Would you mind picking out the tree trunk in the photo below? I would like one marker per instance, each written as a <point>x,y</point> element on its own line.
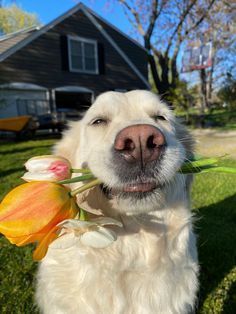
<point>174,72</point>
<point>210,84</point>
<point>161,80</point>
<point>204,103</point>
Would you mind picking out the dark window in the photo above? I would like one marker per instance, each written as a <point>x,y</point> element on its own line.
<point>83,56</point>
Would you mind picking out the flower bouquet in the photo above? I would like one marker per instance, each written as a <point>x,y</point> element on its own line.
<point>45,208</point>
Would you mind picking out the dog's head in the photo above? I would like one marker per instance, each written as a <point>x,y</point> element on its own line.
<point>133,143</point>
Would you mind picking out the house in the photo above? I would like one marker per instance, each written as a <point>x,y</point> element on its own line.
<point>67,63</point>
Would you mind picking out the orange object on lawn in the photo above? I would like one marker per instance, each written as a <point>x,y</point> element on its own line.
<point>14,124</point>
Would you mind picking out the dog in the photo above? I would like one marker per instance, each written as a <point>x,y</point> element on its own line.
<point>133,143</point>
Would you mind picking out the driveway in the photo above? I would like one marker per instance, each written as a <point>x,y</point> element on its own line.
<point>215,143</point>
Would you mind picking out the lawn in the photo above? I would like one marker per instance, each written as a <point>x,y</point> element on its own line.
<point>214,199</point>
<point>218,118</point>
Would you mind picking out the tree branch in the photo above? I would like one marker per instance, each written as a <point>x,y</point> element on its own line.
<point>135,15</point>
<point>199,21</point>
<point>179,25</point>
<point>153,18</point>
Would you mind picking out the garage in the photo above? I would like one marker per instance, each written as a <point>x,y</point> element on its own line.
<point>18,99</point>
<point>73,98</point>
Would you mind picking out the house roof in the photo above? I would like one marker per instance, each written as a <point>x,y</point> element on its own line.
<point>10,40</point>
<point>11,43</point>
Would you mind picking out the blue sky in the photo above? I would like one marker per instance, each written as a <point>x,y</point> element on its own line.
<point>47,10</point>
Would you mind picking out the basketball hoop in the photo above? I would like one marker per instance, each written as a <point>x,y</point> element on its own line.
<point>197,57</point>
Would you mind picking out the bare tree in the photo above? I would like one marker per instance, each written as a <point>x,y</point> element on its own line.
<point>164,25</point>
<point>219,28</point>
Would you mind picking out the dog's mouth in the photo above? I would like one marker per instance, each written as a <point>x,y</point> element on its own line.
<point>140,187</point>
<point>133,190</point>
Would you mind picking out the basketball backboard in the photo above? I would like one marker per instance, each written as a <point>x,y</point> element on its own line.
<point>197,57</point>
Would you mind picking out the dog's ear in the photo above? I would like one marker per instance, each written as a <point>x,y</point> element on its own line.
<point>69,143</point>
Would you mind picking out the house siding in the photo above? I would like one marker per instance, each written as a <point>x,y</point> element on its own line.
<point>137,55</point>
<point>40,62</point>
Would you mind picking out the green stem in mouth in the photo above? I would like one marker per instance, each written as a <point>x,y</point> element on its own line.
<point>220,169</point>
<point>85,177</point>
<point>205,165</point>
<point>81,170</point>
<point>85,187</point>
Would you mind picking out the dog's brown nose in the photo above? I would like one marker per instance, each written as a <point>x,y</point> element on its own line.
<point>141,142</point>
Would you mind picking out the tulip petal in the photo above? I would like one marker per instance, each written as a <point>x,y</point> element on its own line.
<point>106,221</point>
<point>39,176</point>
<point>98,239</point>
<point>44,162</point>
<point>75,224</point>
<point>65,242</point>
<point>42,247</point>
<point>52,234</point>
<point>20,241</point>
<point>31,206</point>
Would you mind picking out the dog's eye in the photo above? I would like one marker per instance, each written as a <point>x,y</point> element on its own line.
<point>99,121</point>
<point>159,117</point>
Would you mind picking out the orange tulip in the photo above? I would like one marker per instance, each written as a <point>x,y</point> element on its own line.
<point>31,212</point>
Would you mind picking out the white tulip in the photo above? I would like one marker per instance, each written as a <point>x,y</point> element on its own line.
<point>47,168</point>
<point>90,233</point>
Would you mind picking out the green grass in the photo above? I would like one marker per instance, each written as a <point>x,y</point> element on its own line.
<point>16,266</point>
<point>214,202</point>
<point>214,199</point>
<point>219,119</point>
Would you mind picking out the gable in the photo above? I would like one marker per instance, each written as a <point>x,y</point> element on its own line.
<point>72,16</point>
<point>41,61</point>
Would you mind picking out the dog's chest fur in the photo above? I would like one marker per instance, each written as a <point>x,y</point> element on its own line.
<point>151,268</point>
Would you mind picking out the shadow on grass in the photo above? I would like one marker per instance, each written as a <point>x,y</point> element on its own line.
<point>230,302</point>
<point>216,246</point>
<point>7,172</point>
<point>23,149</point>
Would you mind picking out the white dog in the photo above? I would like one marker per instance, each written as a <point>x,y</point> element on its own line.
<point>132,142</point>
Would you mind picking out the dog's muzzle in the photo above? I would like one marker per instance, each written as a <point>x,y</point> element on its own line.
<point>137,151</point>
<point>139,144</point>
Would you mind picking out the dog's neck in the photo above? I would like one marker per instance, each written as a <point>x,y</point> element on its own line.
<point>95,202</point>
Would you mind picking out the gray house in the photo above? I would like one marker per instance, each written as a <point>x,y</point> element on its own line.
<point>66,63</point>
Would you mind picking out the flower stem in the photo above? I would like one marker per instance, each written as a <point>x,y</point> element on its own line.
<point>220,169</point>
<point>84,170</point>
<point>85,187</point>
<point>82,214</point>
<point>78,179</point>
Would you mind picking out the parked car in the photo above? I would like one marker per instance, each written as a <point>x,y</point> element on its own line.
<point>67,114</point>
<point>49,121</point>
<point>58,120</point>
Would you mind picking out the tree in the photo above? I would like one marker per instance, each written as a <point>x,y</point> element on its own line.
<point>13,18</point>
<point>183,98</point>
<point>164,25</point>
<point>219,28</point>
<point>228,92</point>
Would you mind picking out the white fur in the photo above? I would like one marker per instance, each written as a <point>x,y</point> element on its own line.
<point>152,267</point>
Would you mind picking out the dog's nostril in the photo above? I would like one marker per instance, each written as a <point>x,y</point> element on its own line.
<point>150,142</point>
<point>129,145</point>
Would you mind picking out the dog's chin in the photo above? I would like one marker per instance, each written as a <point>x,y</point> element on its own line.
<point>136,198</point>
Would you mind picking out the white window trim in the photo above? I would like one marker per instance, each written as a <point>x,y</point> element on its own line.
<point>85,40</point>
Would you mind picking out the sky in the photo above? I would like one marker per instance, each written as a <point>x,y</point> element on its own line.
<point>48,10</point>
